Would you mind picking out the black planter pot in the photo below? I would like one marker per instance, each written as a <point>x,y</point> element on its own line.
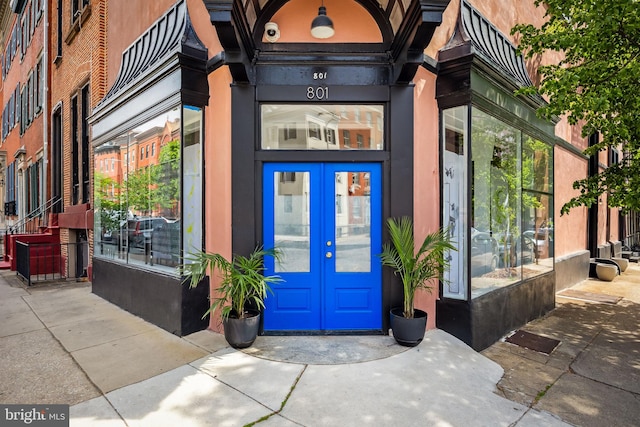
<point>408,332</point>
<point>241,333</point>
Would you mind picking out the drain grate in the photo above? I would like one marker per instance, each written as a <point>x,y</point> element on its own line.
<point>532,341</point>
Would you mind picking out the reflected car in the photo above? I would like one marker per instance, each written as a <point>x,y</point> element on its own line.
<point>140,230</point>
<point>484,252</point>
<point>542,240</point>
<point>165,244</point>
<point>516,252</point>
<point>114,236</point>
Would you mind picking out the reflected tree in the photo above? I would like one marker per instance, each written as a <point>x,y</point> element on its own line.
<point>108,198</point>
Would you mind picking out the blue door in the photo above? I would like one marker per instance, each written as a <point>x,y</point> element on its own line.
<point>326,219</point>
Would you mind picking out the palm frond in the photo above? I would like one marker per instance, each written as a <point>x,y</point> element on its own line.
<point>417,269</point>
<point>242,279</point>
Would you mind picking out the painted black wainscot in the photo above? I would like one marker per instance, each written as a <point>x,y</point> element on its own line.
<point>157,298</point>
<point>487,318</point>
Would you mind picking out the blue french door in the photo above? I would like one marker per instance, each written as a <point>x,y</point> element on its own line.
<point>326,220</point>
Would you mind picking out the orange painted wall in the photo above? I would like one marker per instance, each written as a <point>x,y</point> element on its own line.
<point>350,20</point>
<point>445,31</point>
<point>426,179</point>
<point>217,150</point>
<point>570,229</point>
<point>217,157</point>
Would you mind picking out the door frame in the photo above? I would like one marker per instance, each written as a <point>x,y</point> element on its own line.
<point>327,287</point>
<point>396,160</point>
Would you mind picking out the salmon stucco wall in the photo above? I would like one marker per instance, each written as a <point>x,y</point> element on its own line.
<point>426,178</point>
<point>217,151</point>
<point>570,234</point>
<point>352,23</point>
<point>445,30</point>
<point>130,19</point>
<point>202,25</point>
<point>217,155</point>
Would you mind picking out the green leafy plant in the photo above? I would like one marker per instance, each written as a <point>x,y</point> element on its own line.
<point>591,77</point>
<point>416,269</point>
<point>243,280</point>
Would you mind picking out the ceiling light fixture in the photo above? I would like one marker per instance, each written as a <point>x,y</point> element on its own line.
<point>322,25</point>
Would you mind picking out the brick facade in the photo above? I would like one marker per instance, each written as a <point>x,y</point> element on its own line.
<point>78,58</point>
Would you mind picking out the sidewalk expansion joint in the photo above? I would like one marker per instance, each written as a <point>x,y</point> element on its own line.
<point>114,409</point>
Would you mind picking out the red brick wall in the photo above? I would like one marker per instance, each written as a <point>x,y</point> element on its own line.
<point>83,62</point>
<point>19,72</point>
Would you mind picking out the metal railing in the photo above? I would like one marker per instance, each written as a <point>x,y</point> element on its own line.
<point>33,221</point>
<point>45,262</point>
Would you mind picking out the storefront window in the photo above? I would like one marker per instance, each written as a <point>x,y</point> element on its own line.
<point>138,202</point>
<point>496,192</point>
<point>537,205</point>
<point>322,127</point>
<point>510,235</point>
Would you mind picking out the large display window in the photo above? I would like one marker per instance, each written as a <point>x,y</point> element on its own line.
<point>497,202</point>
<point>148,191</point>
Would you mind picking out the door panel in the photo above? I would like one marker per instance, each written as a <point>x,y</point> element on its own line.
<point>352,279</point>
<point>326,219</point>
<point>288,213</point>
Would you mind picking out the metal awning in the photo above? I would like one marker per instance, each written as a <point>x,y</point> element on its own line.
<point>166,65</point>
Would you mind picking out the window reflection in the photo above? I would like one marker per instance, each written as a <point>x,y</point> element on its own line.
<point>137,193</point>
<point>537,201</point>
<point>322,127</point>
<point>496,204</point>
<point>353,221</point>
<point>291,221</point>
<point>511,205</point>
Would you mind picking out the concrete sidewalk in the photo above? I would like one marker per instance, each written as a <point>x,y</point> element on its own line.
<point>63,344</point>
<point>592,378</point>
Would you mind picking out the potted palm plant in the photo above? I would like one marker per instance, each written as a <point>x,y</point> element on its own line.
<point>243,288</point>
<point>417,270</point>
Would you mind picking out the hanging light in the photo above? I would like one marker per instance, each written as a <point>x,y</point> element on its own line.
<point>322,25</point>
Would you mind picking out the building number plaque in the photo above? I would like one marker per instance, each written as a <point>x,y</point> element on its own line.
<point>318,92</point>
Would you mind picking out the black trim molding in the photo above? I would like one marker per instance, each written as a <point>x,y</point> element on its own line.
<point>239,28</point>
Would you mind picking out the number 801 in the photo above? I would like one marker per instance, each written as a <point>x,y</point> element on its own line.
<point>320,92</point>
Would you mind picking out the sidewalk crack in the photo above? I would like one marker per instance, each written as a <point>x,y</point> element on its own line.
<point>284,402</point>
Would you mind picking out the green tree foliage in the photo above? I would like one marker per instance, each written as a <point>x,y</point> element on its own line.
<point>108,201</point>
<point>168,174</point>
<point>140,194</point>
<point>596,84</point>
<point>156,186</point>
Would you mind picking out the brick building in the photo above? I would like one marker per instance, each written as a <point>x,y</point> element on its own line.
<point>24,110</point>
<point>222,124</point>
<point>77,49</point>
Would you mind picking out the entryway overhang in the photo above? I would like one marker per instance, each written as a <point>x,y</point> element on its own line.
<point>406,27</point>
